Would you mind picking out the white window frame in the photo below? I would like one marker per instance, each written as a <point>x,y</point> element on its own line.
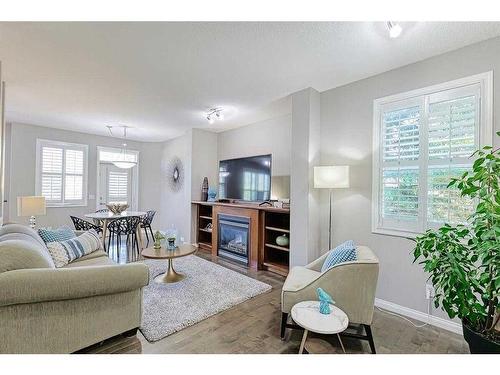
<point>38,180</point>
<point>135,176</point>
<point>485,137</point>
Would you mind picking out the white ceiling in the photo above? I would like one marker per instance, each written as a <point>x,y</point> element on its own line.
<point>159,78</point>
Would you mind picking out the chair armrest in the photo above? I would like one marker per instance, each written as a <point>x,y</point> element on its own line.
<point>318,263</point>
<point>39,285</point>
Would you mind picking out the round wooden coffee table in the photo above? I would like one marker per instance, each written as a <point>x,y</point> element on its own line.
<point>170,276</point>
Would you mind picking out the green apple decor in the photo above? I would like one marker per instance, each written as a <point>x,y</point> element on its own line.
<point>464,260</point>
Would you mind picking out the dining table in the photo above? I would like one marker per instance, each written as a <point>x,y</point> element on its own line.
<point>106,217</point>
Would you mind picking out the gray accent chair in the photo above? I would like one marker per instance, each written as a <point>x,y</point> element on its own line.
<point>352,285</point>
<point>44,309</point>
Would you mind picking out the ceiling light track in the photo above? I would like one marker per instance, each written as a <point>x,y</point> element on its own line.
<point>394,28</point>
<point>215,114</point>
<point>122,160</point>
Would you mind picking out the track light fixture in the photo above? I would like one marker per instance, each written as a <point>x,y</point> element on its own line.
<point>122,160</point>
<point>215,114</point>
<point>394,28</point>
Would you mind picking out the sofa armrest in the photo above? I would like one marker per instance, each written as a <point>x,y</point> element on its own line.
<point>39,285</point>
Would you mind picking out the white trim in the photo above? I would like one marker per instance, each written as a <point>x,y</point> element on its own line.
<point>38,172</point>
<point>420,316</point>
<point>485,80</point>
<point>135,176</point>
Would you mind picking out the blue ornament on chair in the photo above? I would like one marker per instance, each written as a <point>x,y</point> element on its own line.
<point>324,301</point>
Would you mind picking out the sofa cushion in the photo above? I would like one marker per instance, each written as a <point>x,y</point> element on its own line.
<point>345,252</point>
<point>65,252</point>
<point>56,235</point>
<point>19,228</point>
<point>18,254</point>
<point>299,277</point>
<point>91,261</point>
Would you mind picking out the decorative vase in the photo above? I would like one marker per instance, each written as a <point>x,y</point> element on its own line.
<point>171,243</point>
<point>204,189</point>
<point>282,240</point>
<point>117,208</point>
<point>212,193</point>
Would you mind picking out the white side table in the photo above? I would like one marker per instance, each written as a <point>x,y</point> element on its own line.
<point>306,314</point>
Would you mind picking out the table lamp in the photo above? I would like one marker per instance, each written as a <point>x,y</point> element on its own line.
<point>31,206</point>
<point>331,177</point>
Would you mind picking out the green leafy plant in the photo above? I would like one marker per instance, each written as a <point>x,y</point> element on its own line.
<point>464,260</point>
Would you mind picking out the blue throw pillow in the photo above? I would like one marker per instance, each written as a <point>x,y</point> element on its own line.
<point>345,252</point>
<point>56,235</point>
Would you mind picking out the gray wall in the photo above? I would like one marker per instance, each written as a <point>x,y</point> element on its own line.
<point>176,205</point>
<point>271,136</point>
<point>346,138</point>
<point>21,149</point>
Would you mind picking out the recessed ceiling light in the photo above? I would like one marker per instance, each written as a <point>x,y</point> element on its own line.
<point>394,28</point>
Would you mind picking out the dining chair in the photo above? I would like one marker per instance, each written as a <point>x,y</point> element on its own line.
<point>81,224</point>
<point>146,221</point>
<point>126,226</point>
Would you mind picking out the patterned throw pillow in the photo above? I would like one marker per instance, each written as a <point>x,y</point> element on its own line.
<point>67,251</point>
<point>345,252</point>
<point>56,235</point>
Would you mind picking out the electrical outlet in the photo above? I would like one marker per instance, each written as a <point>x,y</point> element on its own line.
<point>430,292</point>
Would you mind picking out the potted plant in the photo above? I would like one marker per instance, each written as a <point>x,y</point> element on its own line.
<point>464,260</point>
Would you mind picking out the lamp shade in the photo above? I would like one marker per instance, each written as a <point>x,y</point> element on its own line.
<point>30,206</point>
<point>331,177</point>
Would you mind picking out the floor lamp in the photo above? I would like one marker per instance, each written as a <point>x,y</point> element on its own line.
<point>331,177</point>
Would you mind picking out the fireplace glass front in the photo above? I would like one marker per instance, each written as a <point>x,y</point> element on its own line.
<point>233,237</point>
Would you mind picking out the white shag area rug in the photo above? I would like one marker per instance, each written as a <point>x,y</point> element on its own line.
<point>207,290</point>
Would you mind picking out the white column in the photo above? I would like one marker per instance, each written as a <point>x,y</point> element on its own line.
<point>304,215</point>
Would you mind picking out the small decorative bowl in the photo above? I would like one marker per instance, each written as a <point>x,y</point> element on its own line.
<point>117,208</point>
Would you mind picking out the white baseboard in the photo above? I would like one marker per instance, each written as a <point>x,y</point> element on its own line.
<point>420,316</point>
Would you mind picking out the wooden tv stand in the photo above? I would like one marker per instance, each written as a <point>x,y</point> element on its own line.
<point>266,223</point>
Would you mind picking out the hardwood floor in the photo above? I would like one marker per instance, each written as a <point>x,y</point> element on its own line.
<point>253,327</point>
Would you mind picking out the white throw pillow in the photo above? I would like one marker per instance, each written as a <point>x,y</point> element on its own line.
<point>65,252</point>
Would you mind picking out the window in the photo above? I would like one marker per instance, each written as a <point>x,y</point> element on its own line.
<point>61,175</point>
<point>117,187</point>
<point>422,139</point>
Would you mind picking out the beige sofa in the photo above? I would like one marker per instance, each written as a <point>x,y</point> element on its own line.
<point>352,285</point>
<point>49,310</point>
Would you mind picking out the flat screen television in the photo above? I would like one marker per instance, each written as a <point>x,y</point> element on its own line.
<point>246,179</point>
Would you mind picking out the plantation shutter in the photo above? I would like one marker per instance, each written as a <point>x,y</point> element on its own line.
<point>118,186</point>
<point>73,190</point>
<point>61,173</point>
<point>453,128</point>
<point>400,164</point>
<point>52,164</point>
<point>424,141</point>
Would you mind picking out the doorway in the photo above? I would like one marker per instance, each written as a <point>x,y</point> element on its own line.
<point>116,185</point>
